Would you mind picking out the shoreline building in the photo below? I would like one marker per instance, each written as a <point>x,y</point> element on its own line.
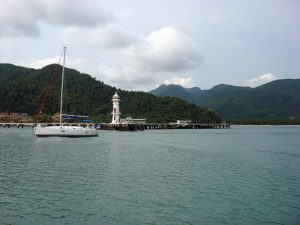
<point>116,109</point>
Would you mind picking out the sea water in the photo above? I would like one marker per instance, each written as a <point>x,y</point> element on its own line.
<point>242,175</point>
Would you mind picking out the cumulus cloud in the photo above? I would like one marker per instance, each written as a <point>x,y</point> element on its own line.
<point>40,63</point>
<point>110,37</point>
<point>105,39</point>
<point>147,60</point>
<point>19,17</point>
<point>185,82</point>
<point>24,18</point>
<point>71,63</point>
<point>125,77</point>
<point>80,12</point>
<point>257,81</point>
<point>164,50</point>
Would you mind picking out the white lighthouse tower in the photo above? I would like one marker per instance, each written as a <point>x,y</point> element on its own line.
<point>116,109</point>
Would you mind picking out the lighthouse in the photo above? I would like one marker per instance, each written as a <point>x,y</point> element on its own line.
<point>116,109</point>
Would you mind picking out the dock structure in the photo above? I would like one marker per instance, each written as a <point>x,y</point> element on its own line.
<point>185,126</point>
<point>157,126</point>
<point>121,127</point>
<point>23,125</point>
<point>18,125</point>
<point>126,127</point>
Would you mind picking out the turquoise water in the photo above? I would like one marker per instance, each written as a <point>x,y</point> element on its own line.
<point>242,175</point>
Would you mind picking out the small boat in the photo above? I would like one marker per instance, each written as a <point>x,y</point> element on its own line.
<point>64,131</point>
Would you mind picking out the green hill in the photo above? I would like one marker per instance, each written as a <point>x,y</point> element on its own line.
<point>278,99</point>
<point>188,94</point>
<point>22,90</point>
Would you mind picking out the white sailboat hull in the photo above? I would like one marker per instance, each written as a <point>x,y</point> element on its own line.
<point>65,131</point>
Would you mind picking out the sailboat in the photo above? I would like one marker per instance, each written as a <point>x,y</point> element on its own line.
<point>64,131</point>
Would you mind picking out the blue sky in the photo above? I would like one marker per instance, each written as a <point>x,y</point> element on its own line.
<point>138,45</point>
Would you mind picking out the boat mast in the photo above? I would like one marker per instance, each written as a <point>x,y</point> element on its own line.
<point>62,88</point>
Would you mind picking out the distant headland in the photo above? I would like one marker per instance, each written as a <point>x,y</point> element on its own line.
<point>276,102</point>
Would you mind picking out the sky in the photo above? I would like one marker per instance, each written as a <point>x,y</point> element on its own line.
<point>139,45</point>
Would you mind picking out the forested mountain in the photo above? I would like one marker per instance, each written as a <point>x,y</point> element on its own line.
<point>23,89</point>
<point>279,99</point>
<point>188,94</point>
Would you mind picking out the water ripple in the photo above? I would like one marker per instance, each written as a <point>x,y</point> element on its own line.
<point>237,176</point>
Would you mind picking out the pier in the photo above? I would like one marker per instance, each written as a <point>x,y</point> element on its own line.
<point>125,127</point>
<point>185,126</point>
<point>157,126</point>
<point>18,125</point>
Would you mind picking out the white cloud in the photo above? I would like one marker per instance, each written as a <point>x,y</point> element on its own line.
<point>24,18</point>
<point>149,59</point>
<point>257,81</point>
<point>40,63</point>
<point>102,39</point>
<point>125,77</point>
<point>164,50</point>
<point>84,13</point>
<point>19,17</point>
<point>138,49</point>
<point>110,37</point>
<point>70,63</point>
<point>185,82</point>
